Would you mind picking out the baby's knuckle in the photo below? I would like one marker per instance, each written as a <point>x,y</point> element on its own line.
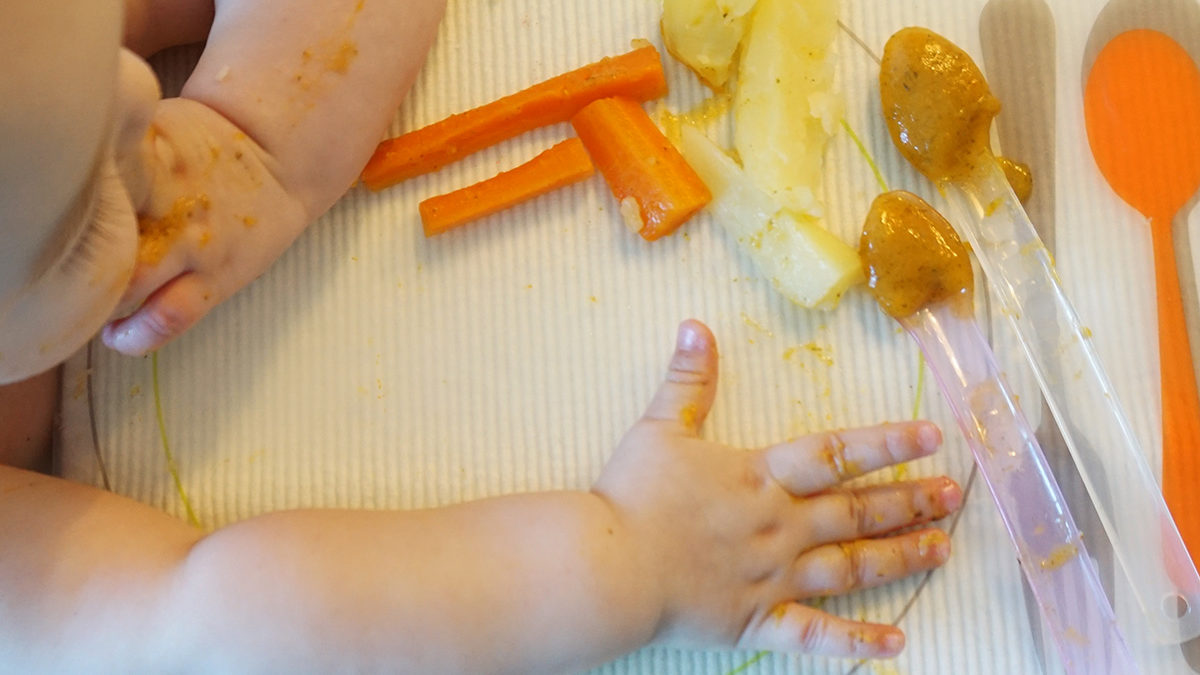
<point>858,511</point>
<point>854,565</point>
<point>168,320</point>
<point>813,633</point>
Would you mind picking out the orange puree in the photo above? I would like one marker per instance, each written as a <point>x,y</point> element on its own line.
<point>1019,177</point>
<point>155,235</point>
<point>913,257</point>
<point>937,105</point>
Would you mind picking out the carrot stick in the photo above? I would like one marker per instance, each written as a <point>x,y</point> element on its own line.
<point>637,74</point>
<point>656,187</point>
<point>561,165</point>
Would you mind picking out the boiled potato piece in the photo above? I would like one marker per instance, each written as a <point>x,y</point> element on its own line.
<point>786,109</point>
<point>803,260</point>
<point>705,34</point>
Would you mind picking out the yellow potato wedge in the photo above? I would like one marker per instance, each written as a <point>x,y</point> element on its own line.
<point>785,108</point>
<point>705,34</point>
<point>803,260</point>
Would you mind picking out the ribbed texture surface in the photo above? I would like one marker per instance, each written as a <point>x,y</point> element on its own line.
<point>371,368</point>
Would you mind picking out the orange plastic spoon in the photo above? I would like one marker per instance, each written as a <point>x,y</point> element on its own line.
<point>1142,106</point>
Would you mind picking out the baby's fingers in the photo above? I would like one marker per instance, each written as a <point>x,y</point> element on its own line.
<point>841,568</point>
<point>687,393</point>
<point>814,463</point>
<point>165,315</point>
<point>845,515</point>
<point>793,627</point>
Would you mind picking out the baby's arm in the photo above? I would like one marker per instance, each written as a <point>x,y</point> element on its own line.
<point>681,540</point>
<point>286,105</point>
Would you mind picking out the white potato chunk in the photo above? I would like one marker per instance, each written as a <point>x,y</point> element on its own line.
<point>803,260</point>
<point>705,34</point>
<point>786,108</point>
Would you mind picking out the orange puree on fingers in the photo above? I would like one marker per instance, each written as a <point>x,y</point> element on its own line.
<point>937,105</point>
<point>913,257</point>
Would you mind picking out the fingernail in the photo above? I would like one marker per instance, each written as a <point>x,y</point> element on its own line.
<point>934,544</point>
<point>951,495</point>
<point>893,642</point>
<point>929,437</point>
<point>689,339</point>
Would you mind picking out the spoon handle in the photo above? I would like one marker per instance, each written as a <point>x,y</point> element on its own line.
<point>1180,400</point>
<point>1051,551</point>
<point>1077,390</point>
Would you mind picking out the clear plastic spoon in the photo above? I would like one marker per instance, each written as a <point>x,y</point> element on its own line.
<point>930,295</point>
<point>1093,422</point>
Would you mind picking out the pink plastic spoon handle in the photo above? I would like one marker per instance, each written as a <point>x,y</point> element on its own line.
<point>1051,552</point>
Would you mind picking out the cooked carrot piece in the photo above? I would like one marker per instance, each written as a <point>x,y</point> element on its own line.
<point>656,188</point>
<point>561,165</point>
<point>637,74</point>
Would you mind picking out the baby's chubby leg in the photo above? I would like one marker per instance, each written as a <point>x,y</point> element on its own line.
<point>285,106</point>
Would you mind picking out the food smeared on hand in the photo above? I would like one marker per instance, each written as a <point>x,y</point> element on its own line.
<point>637,75</point>
<point>562,165</point>
<point>157,233</point>
<point>1018,176</point>
<point>705,35</point>
<point>656,188</point>
<point>937,105</point>
<point>804,261</point>
<point>913,257</point>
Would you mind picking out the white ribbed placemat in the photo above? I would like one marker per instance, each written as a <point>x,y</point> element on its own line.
<point>372,368</point>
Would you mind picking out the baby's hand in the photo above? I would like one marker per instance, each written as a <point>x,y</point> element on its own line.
<point>739,539</point>
<point>288,101</point>
<point>214,217</point>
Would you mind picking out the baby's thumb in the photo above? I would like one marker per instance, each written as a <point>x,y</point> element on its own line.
<point>687,393</point>
<point>165,315</point>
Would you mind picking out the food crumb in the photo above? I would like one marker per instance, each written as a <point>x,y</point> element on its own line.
<point>1059,557</point>
<point>779,613</point>
<point>343,57</point>
<point>223,74</point>
<point>821,352</point>
<point>929,542</point>
<point>688,415</point>
<point>746,319</point>
<point>631,213</point>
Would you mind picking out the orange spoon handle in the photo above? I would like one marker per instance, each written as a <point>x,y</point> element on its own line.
<point>1180,399</point>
